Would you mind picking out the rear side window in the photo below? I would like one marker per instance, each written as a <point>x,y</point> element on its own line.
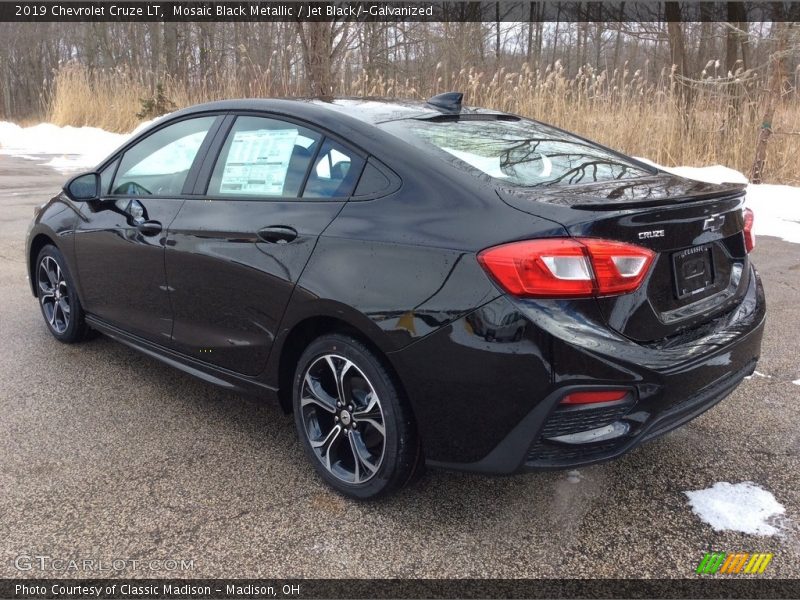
<point>517,152</point>
<point>263,157</point>
<point>160,163</point>
<point>335,172</point>
<point>372,181</point>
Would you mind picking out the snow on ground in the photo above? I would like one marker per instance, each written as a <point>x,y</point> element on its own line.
<point>62,148</point>
<point>743,507</point>
<point>758,374</point>
<point>796,382</point>
<point>776,207</point>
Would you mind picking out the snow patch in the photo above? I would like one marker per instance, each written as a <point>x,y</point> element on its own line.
<point>711,174</point>
<point>67,148</point>
<point>777,211</point>
<point>743,507</point>
<point>758,374</point>
<point>796,382</point>
<point>776,207</point>
<point>574,476</point>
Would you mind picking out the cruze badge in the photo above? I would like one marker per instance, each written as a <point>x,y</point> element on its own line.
<point>714,223</point>
<point>646,235</point>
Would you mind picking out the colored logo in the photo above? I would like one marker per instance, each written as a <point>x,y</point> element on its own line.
<point>737,563</point>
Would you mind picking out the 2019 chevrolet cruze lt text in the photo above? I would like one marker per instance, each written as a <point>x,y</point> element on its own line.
<point>420,283</point>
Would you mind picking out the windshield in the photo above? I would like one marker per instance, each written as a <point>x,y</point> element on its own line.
<point>517,152</point>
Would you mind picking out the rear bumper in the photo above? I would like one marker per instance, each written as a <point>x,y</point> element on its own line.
<point>544,454</point>
<point>669,385</point>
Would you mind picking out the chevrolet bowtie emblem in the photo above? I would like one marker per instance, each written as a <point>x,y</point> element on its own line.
<point>714,223</point>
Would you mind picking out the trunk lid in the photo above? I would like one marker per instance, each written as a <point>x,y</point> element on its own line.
<point>696,229</point>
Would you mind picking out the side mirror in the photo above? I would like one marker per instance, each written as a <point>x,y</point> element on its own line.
<point>83,187</point>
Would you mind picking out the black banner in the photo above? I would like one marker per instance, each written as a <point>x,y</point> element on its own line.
<point>405,11</point>
<point>745,586</point>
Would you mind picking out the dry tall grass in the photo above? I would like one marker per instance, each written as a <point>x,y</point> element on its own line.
<point>633,112</point>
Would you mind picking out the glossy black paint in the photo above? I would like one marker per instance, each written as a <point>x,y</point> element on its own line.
<point>654,311</point>
<point>121,269</point>
<point>229,289</point>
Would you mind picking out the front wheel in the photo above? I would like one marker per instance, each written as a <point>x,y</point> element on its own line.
<point>58,299</point>
<point>353,422</point>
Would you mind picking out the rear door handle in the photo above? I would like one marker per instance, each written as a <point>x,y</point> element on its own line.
<point>277,234</point>
<point>149,227</point>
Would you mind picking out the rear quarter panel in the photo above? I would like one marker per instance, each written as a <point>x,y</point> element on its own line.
<point>405,264</point>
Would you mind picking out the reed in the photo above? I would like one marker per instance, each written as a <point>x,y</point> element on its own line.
<point>642,113</point>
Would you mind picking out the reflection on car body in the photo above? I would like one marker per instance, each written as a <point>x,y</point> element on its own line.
<point>419,283</point>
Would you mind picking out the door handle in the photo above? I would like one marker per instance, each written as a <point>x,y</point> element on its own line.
<point>149,227</point>
<point>277,234</point>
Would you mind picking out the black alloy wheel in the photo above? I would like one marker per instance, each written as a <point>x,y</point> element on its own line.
<point>354,425</point>
<point>60,306</point>
<point>53,295</point>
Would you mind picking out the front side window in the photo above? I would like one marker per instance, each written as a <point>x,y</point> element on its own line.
<point>105,177</point>
<point>516,151</point>
<point>263,157</point>
<point>159,164</point>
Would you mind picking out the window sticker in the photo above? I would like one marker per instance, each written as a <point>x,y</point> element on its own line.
<point>258,161</point>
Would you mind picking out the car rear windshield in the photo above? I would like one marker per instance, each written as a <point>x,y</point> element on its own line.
<point>515,151</point>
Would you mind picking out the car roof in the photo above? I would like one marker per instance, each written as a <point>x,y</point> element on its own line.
<point>368,110</point>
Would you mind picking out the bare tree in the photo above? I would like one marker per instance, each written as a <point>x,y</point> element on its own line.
<point>736,37</point>
<point>677,55</point>
<point>323,45</point>
<point>777,80</point>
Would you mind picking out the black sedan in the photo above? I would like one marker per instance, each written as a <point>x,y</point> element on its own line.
<point>420,283</point>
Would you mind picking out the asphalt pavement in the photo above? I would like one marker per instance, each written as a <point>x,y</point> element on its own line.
<point>106,454</point>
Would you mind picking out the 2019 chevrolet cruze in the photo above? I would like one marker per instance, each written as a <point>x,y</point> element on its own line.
<point>418,282</point>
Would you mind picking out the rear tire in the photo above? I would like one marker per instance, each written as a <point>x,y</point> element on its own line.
<point>58,299</point>
<point>355,426</point>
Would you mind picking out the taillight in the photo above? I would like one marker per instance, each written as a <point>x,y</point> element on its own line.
<point>749,236</point>
<point>567,267</point>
